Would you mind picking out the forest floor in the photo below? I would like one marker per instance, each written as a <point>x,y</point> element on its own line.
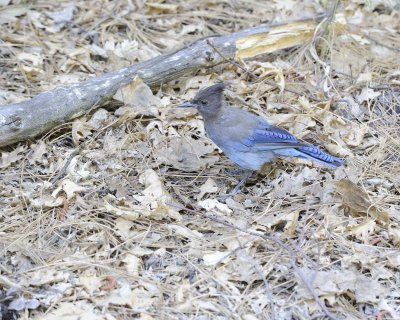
<point>135,228</point>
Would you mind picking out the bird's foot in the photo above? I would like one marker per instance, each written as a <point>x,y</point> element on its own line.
<point>244,176</point>
<point>223,197</point>
<point>233,172</point>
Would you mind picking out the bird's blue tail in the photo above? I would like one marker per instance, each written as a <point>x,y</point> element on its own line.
<point>313,153</point>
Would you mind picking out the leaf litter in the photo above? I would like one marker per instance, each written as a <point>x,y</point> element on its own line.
<point>108,239</point>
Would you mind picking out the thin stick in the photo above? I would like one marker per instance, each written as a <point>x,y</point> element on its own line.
<point>267,290</point>
<point>64,168</point>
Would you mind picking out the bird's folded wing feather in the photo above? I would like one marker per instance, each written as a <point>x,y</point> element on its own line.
<point>268,138</point>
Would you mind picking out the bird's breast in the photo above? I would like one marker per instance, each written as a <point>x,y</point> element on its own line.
<point>227,137</point>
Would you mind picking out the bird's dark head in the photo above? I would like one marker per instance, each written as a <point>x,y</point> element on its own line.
<point>208,100</point>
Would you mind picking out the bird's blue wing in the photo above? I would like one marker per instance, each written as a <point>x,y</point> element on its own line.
<point>270,138</point>
<point>267,137</point>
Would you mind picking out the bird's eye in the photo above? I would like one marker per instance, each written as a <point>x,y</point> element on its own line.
<point>204,102</point>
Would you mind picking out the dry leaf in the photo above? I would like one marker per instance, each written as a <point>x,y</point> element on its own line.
<point>215,205</point>
<point>11,13</point>
<point>138,98</point>
<point>128,213</point>
<point>39,149</point>
<point>364,77</point>
<point>98,119</point>
<point>265,69</point>
<point>338,282</point>
<point>70,188</point>
<point>124,227</point>
<point>60,18</point>
<point>186,153</point>
<point>394,259</point>
<point>394,234</point>
<point>208,187</point>
<point>367,94</point>
<point>155,201</point>
<point>364,230</point>
<point>355,135</point>
<point>47,201</point>
<point>290,219</point>
<point>132,263</point>
<point>184,231</point>
<point>295,183</point>
<point>136,299</point>
<point>75,310</point>
<point>80,130</point>
<point>20,304</point>
<point>7,158</point>
<point>358,203</point>
<point>47,276</point>
<point>213,258</point>
<point>91,283</point>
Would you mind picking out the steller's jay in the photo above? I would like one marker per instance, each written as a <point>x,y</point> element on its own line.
<point>249,140</point>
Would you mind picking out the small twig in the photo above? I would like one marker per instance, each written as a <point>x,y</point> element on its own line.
<point>267,290</point>
<point>381,44</point>
<point>384,87</point>
<point>64,168</point>
<point>332,12</point>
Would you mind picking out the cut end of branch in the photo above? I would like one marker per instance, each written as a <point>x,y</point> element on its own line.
<point>277,38</point>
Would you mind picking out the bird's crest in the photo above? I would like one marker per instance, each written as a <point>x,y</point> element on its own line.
<point>216,88</point>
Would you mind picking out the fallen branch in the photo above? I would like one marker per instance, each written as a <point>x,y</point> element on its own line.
<point>25,120</point>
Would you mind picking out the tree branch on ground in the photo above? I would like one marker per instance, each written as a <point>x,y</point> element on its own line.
<point>25,120</point>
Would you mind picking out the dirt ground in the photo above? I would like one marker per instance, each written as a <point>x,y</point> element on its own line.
<point>134,226</point>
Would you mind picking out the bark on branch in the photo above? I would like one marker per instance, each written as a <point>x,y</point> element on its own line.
<point>24,120</point>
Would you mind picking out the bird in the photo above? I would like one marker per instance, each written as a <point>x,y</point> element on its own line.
<point>247,139</point>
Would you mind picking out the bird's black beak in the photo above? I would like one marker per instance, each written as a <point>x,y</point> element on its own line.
<point>187,104</point>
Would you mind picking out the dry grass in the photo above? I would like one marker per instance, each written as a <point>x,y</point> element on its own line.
<point>132,229</point>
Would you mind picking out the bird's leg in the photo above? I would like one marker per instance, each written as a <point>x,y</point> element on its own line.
<point>243,178</point>
<point>245,175</point>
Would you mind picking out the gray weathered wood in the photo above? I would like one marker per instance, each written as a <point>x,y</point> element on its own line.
<point>25,120</point>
